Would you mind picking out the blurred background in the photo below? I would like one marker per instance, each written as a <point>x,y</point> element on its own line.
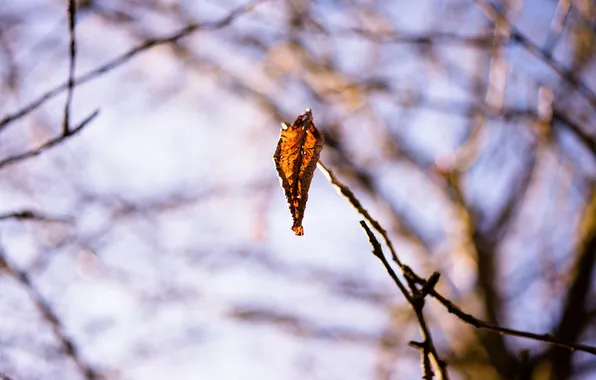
<point>155,243</point>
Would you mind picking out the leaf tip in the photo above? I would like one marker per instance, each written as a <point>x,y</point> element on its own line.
<point>298,230</point>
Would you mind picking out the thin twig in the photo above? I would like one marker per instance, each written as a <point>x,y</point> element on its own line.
<point>495,16</point>
<point>71,12</point>
<point>449,305</point>
<point>116,62</point>
<point>31,215</point>
<point>349,195</point>
<point>557,25</point>
<point>589,141</point>
<point>49,315</point>
<point>378,252</point>
<point>480,324</point>
<point>508,113</point>
<point>397,37</point>
<point>415,303</point>
<point>427,372</point>
<point>49,144</point>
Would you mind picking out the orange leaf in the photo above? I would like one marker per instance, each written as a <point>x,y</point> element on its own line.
<point>296,159</point>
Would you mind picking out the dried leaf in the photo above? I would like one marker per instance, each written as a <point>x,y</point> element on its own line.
<point>296,159</point>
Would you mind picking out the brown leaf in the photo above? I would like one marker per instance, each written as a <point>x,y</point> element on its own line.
<point>296,159</point>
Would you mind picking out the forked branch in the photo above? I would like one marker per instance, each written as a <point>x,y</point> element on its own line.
<point>420,288</point>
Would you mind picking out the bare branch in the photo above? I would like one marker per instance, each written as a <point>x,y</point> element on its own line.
<point>396,37</point>
<point>378,252</point>
<point>449,305</point>
<point>297,325</point>
<point>49,315</point>
<point>479,324</point>
<point>427,372</point>
<point>495,16</point>
<point>416,303</point>
<point>349,195</point>
<point>71,12</point>
<point>575,314</point>
<point>557,25</point>
<point>114,63</point>
<point>32,215</point>
<point>49,144</point>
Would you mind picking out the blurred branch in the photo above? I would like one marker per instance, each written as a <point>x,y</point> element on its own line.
<point>316,67</point>
<point>575,315</point>
<point>297,325</point>
<point>486,242</point>
<point>49,315</point>
<point>361,176</point>
<point>71,12</point>
<point>31,215</point>
<point>49,144</point>
<point>507,113</point>
<point>589,141</point>
<point>483,41</point>
<point>557,25</point>
<point>116,62</point>
<point>568,76</point>
<point>240,86</point>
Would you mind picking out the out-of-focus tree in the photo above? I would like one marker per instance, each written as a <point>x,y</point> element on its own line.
<point>151,239</point>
